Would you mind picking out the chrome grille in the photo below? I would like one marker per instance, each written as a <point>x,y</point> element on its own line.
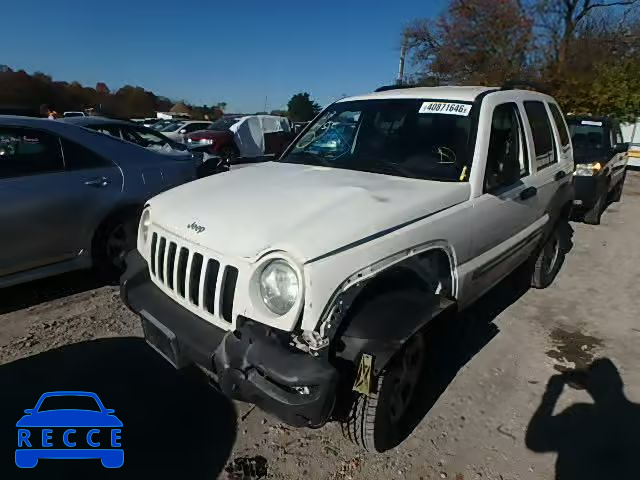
<point>191,277</point>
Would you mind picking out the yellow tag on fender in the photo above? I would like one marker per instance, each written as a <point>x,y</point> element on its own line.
<point>365,372</point>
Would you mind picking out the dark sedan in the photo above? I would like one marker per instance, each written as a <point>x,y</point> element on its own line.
<point>601,164</point>
<point>70,198</point>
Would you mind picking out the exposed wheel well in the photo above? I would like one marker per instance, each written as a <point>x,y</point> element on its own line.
<point>428,271</point>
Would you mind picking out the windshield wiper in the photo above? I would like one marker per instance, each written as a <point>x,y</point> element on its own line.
<point>388,167</point>
<point>305,157</point>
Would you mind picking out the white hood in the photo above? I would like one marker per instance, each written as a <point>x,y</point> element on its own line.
<point>304,210</point>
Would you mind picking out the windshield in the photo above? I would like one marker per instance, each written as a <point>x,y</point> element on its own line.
<point>405,137</point>
<point>587,134</point>
<point>160,124</point>
<point>172,127</point>
<point>144,138</point>
<point>69,402</point>
<point>223,124</point>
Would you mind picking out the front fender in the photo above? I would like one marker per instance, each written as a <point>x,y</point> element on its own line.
<point>382,339</point>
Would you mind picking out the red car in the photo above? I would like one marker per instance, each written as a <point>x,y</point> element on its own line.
<point>248,136</point>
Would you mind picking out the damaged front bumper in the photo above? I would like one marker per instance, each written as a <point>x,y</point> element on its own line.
<point>252,363</point>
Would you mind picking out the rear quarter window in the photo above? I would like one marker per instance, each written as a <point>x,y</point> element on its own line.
<point>560,124</point>
<point>78,157</point>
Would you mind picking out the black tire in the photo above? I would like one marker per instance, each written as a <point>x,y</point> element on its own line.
<point>593,216</point>
<point>228,153</point>
<point>376,422</point>
<point>114,239</point>
<point>617,192</point>
<point>550,257</point>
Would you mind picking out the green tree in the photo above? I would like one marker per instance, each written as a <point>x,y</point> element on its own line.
<point>302,108</point>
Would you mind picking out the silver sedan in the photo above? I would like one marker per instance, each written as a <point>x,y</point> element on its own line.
<point>70,198</point>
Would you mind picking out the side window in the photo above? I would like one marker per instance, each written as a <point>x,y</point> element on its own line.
<point>560,125</point>
<point>543,142</point>
<point>77,157</point>
<point>507,160</point>
<point>26,152</point>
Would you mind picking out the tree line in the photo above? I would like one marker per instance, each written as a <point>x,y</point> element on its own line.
<point>33,93</point>
<point>586,53</point>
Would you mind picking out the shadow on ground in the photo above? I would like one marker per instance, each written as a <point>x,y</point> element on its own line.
<point>47,289</point>
<point>174,425</point>
<point>454,340</point>
<point>593,441</point>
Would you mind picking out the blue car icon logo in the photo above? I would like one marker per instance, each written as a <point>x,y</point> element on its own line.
<point>68,425</point>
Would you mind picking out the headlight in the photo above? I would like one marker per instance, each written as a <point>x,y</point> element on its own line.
<point>145,221</point>
<point>587,169</point>
<point>206,141</point>
<point>279,287</point>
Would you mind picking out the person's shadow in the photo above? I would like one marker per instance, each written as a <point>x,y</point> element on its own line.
<point>595,441</point>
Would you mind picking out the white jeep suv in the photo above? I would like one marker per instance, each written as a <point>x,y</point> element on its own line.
<point>299,281</point>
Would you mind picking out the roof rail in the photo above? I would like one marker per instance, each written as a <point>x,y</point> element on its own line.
<point>524,85</point>
<point>395,86</point>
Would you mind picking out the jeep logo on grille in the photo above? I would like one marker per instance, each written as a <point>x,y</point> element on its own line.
<point>197,228</point>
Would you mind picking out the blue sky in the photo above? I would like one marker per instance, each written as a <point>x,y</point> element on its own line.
<point>213,50</point>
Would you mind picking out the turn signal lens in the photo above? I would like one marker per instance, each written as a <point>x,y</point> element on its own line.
<point>587,169</point>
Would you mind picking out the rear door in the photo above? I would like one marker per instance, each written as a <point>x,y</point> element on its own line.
<point>551,152</point>
<point>507,218</point>
<point>93,184</point>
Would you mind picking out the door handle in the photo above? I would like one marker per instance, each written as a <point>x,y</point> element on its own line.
<point>560,175</point>
<point>528,193</point>
<point>98,182</point>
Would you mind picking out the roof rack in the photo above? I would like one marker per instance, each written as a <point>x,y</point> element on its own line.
<point>524,85</point>
<point>395,86</point>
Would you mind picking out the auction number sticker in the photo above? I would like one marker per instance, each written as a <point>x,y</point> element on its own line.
<point>446,108</point>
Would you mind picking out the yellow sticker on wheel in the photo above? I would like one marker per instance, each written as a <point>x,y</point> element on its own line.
<point>363,378</point>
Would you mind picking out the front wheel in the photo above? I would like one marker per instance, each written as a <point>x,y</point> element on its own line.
<point>593,216</point>
<point>617,192</point>
<point>375,421</point>
<point>116,238</point>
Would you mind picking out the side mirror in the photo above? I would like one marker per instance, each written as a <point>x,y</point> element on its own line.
<point>621,147</point>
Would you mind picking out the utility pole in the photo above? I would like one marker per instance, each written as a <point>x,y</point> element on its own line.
<point>403,54</point>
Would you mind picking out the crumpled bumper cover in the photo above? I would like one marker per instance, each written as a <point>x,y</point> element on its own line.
<point>252,363</point>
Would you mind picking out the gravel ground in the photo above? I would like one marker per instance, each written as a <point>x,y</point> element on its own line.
<point>70,333</point>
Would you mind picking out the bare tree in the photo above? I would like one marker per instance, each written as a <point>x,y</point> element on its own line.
<point>561,19</point>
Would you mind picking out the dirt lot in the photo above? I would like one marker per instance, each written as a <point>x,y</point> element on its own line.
<point>70,333</point>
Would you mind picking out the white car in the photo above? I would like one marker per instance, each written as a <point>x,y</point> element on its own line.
<point>179,129</point>
<point>299,281</point>
<point>631,134</point>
